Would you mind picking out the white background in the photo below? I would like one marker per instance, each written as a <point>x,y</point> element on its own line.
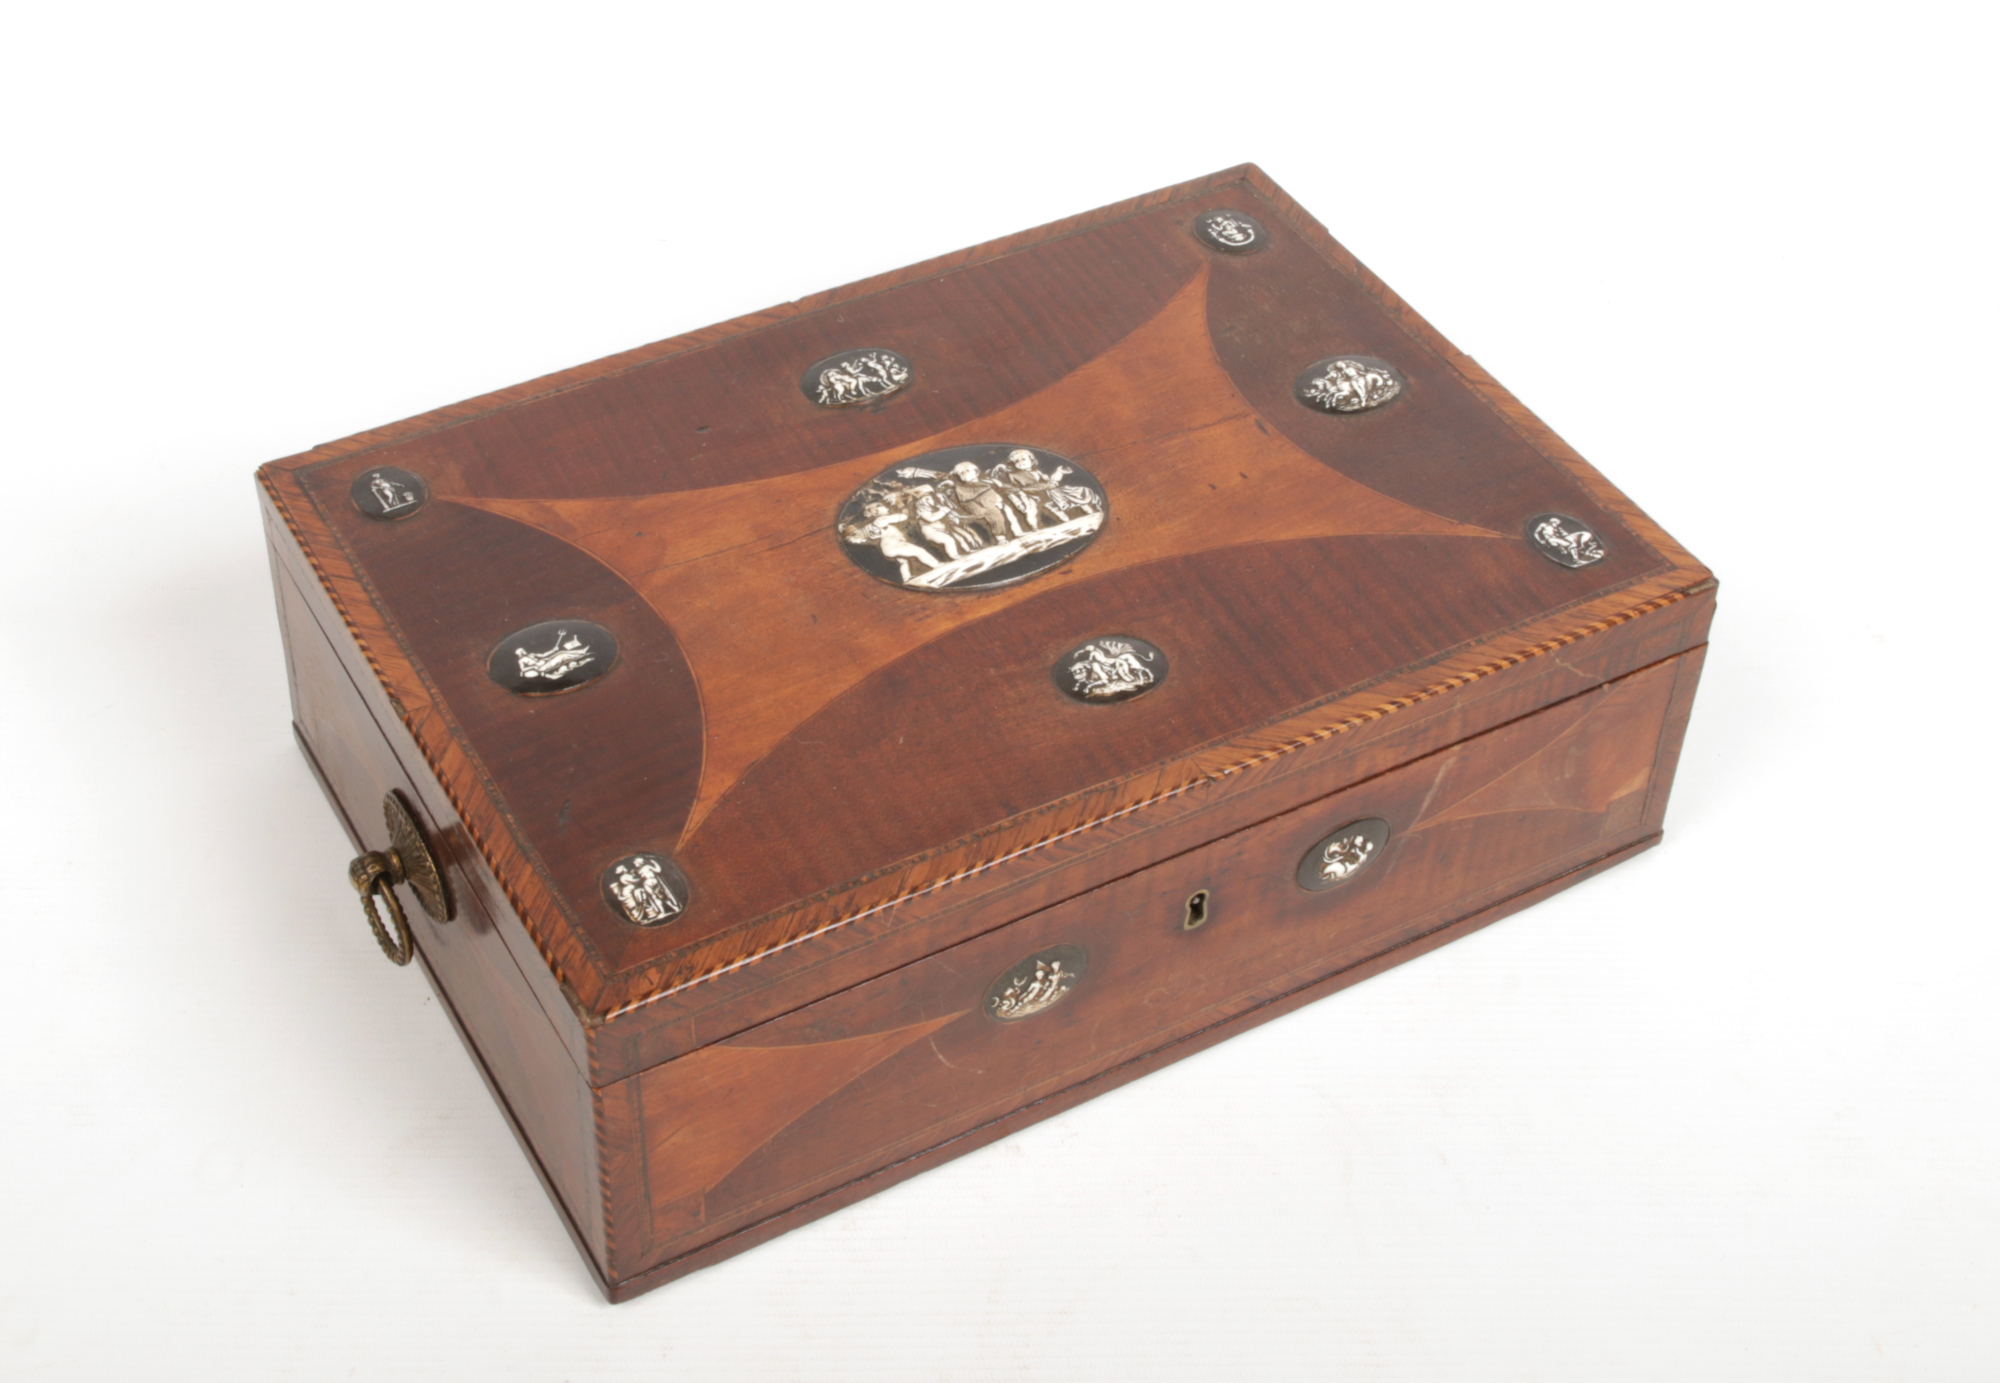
<point>1727,1112</point>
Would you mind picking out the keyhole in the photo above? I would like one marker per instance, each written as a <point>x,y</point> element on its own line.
<point>1197,911</point>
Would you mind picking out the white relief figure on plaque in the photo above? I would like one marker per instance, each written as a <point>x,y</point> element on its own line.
<point>1342,857</point>
<point>1108,668</point>
<point>1027,994</point>
<point>1350,384</point>
<point>1572,546</point>
<point>643,893</point>
<point>943,522</point>
<point>1231,230</point>
<point>948,526</point>
<point>859,378</point>
<point>981,499</point>
<point>389,494</point>
<point>884,528</point>
<point>566,655</point>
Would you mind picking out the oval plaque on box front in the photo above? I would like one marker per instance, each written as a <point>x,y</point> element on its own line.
<point>1035,984</point>
<point>972,518</point>
<point>1339,856</point>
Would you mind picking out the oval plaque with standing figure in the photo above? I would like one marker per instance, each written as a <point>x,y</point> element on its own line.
<point>972,518</point>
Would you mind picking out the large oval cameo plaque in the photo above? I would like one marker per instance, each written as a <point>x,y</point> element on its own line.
<point>972,518</point>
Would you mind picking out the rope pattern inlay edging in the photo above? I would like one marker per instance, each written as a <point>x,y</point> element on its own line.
<point>1374,713</point>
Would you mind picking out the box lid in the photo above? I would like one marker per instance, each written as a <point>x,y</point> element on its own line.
<point>747,634</point>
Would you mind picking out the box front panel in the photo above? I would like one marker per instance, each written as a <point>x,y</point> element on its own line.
<point>731,1003</point>
<point>718,1141</point>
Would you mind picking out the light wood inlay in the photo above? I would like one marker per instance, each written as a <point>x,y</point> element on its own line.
<point>777,622</point>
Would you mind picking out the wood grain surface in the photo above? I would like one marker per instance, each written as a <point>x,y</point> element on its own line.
<point>742,1129</point>
<point>1305,571</point>
<point>879,795</point>
<point>709,1154</point>
<point>537,1082</point>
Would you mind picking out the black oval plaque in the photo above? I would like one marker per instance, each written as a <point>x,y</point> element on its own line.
<point>553,656</point>
<point>645,889</point>
<point>388,492</point>
<point>1339,855</point>
<point>1348,384</point>
<point>1115,668</point>
<point>1036,984</point>
<point>856,377</point>
<point>1565,541</point>
<point>1232,232</point>
<point>972,518</point>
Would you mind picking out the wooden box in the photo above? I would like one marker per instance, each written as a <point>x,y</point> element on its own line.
<point>855,731</point>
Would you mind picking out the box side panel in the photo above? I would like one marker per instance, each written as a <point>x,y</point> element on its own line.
<point>540,1089</point>
<point>472,871</point>
<point>1680,707</point>
<point>738,999</point>
<point>858,1086</point>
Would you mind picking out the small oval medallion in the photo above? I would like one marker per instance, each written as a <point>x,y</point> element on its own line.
<point>1036,984</point>
<point>1564,540</point>
<point>856,377</point>
<point>552,656</point>
<point>388,492</point>
<point>1339,856</point>
<point>1110,669</point>
<point>1348,384</point>
<point>1232,232</point>
<point>972,518</point>
<point>646,889</point>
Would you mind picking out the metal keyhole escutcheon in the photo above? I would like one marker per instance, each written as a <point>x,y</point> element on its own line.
<point>408,860</point>
<point>1196,916</point>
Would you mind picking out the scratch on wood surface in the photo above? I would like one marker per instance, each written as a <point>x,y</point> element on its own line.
<point>969,1070</point>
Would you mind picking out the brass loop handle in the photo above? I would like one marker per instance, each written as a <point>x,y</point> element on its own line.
<point>408,860</point>
<point>380,871</point>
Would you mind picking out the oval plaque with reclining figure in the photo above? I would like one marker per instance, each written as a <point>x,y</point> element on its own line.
<point>1348,384</point>
<point>972,518</point>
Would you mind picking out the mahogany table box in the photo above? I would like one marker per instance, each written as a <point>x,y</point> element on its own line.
<point>850,733</point>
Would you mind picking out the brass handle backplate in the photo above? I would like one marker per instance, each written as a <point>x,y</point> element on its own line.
<point>408,860</point>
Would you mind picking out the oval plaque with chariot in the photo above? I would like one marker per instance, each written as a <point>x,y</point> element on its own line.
<point>972,518</point>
